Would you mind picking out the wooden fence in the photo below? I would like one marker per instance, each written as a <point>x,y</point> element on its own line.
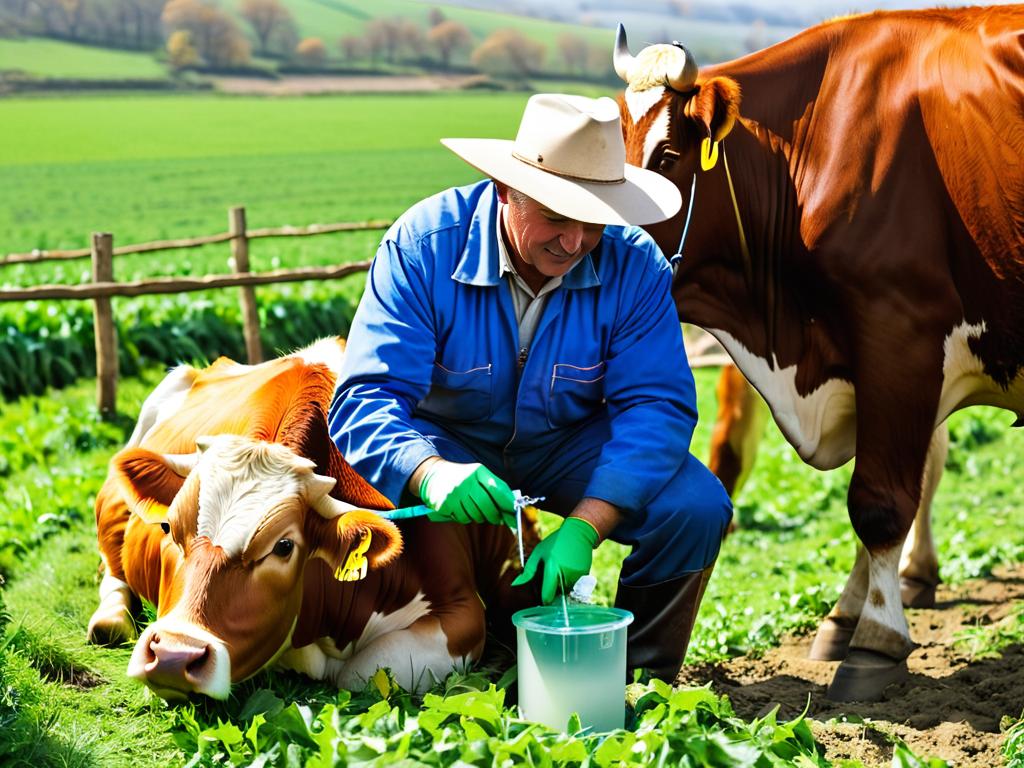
<point>103,285</point>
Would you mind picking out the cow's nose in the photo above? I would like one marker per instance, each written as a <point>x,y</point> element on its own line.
<point>176,661</point>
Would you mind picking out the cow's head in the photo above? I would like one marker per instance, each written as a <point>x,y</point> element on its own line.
<point>242,519</point>
<point>670,115</point>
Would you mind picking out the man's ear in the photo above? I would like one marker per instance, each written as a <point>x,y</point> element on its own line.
<point>502,190</point>
<point>354,542</point>
<point>147,481</point>
<point>715,105</point>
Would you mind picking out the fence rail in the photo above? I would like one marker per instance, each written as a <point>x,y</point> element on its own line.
<point>103,285</point>
<point>196,242</point>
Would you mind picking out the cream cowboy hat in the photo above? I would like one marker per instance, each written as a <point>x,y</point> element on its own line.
<point>569,156</point>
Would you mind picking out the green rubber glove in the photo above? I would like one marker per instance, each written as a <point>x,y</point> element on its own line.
<point>467,493</point>
<point>566,555</point>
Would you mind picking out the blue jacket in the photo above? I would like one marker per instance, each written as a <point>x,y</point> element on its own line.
<point>435,340</point>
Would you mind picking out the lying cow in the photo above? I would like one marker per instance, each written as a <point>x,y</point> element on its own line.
<point>856,244</point>
<point>255,548</point>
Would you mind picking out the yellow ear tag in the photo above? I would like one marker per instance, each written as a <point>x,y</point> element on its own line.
<point>152,511</point>
<point>355,565</point>
<point>708,154</point>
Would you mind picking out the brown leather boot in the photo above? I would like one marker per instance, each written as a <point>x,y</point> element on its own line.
<point>663,616</point>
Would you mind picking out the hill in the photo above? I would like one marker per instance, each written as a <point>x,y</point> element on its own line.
<point>93,47</point>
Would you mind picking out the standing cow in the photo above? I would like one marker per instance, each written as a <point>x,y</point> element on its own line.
<point>253,552</point>
<point>856,243</point>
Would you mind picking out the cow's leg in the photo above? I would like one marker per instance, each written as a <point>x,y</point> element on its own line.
<point>919,565</point>
<point>739,426</point>
<point>895,422</point>
<point>832,643</point>
<point>111,622</point>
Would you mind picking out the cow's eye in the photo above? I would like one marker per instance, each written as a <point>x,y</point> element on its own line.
<point>284,547</point>
<point>668,159</point>
<point>165,527</point>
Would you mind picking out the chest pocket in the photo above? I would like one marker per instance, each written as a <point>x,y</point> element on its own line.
<point>459,395</point>
<point>576,393</point>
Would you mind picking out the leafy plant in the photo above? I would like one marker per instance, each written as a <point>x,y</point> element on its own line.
<point>383,726</point>
<point>1013,750</point>
<point>988,641</point>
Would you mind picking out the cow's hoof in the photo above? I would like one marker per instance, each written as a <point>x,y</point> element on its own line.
<point>864,676</point>
<point>916,593</point>
<point>111,627</point>
<point>832,643</point>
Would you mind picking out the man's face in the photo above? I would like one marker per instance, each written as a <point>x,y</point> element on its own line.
<point>546,243</point>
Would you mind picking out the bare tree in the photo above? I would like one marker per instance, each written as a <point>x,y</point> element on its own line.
<point>215,35</point>
<point>447,38</point>
<point>411,38</point>
<point>384,36</point>
<point>63,17</point>
<point>509,52</point>
<point>266,17</point>
<point>139,22</point>
<point>312,52</point>
<point>574,50</point>
<point>435,17</point>
<point>353,47</point>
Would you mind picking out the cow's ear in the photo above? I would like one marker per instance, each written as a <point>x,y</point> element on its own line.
<point>354,542</point>
<point>350,539</point>
<point>148,481</point>
<point>715,105</point>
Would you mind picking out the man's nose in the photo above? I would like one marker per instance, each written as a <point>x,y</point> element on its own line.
<point>571,238</point>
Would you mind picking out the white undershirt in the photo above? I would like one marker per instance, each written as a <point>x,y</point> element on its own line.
<point>529,306</point>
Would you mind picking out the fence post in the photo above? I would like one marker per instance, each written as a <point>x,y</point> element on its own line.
<point>240,255</point>
<point>103,326</point>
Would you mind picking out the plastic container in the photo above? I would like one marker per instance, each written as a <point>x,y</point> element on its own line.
<point>573,659</point>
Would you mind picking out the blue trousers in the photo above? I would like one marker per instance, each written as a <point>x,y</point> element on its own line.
<point>679,531</point>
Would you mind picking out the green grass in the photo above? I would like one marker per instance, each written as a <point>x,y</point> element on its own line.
<point>171,167</point>
<point>63,702</point>
<point>55,58</point>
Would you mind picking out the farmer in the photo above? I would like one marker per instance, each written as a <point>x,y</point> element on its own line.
<point>519,333</point>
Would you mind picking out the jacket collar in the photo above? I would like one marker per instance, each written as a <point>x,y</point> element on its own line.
<point>479,262</point>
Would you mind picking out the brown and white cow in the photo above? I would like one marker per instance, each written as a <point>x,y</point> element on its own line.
<point>255,548</point>
<point>858,249</point>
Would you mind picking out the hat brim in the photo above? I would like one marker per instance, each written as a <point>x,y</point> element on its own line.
<point>644,197</point>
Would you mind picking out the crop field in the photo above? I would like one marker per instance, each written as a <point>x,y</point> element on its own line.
<point>169,167</point>
<point>148,168</point>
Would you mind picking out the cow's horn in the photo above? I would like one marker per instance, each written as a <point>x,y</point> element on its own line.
<point>181,463</point>
<point>622,58</point>
<point>330,507</point>
<point>685,76</point>
<point>318,486</point>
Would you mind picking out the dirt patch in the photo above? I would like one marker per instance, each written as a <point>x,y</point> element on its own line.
<point>949,708</point>
<point>69,675</point>
<point>304,85</point>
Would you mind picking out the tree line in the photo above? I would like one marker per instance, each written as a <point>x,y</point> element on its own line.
<point>202,34</point>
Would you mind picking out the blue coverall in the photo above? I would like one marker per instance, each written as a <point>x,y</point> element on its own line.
<point>602,404</point>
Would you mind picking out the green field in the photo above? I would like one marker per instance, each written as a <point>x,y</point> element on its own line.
<point>169,167</point>
<point>157,167</point>
<point>148,168</point>
<point>55,58</point>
